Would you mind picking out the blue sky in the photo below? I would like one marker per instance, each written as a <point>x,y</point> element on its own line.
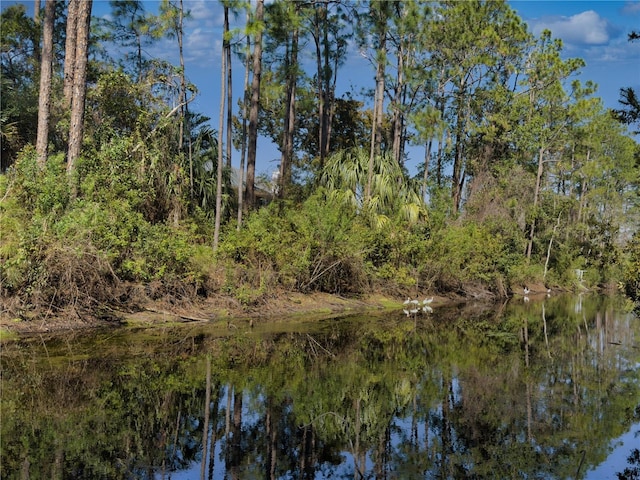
<point>595,31</point>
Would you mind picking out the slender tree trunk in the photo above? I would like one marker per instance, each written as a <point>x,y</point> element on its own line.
<point>44,99</point>
<point>216,232</point>
<point>376,133</point>
<point>214,431</point>
<point>229,93</point>
<point>36,12</point>
<point>227,427</point>
<point>70,50</point>
<point>243,147</point>
<point>320,18</point>
<point>79,89</point>
<point>183,81</point>
<point>457,178</point>
<point>425,175</point>
<point>272,440</point>
<point>205,429</point>
<point>326,90</point>
<point>397,110</point>
<point>357,472</point>
<point>255,106</point>
<point>290,117</point>
<point>546,262</point>
<point>36,20</point>
<point>536,194</point>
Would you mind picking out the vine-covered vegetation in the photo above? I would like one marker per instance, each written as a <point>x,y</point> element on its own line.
<point>528,178</point>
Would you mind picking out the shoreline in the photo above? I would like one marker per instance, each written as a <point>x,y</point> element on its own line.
<point>213,310</point>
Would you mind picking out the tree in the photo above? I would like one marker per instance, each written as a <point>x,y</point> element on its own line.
<point>254,106</point>
<point>280,84</point>
<point>546,116</point>
<point>243,133</point>
<point>132,28</point>
<point>44,101</point>
<point>630,114</point>
<point>70,50</point>
<point>474,47</point>
<point>379,13</point>
<point>331,34</point>
<point>19,40</point>
<point>223,89</point>
<point>79,86</point>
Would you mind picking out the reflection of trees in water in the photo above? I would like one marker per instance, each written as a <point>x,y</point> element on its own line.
<point>482,396</point>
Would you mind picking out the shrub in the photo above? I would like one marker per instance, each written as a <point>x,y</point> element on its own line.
<point>312,246</point>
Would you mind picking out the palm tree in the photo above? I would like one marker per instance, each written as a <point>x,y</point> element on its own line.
<point>346,177</point>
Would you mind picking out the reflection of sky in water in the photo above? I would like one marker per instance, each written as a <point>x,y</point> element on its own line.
<point>482,384</point>
<point>615,462</point>
<point>617,459</point>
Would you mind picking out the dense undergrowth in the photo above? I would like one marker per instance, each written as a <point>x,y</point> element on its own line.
<point>116,244</point>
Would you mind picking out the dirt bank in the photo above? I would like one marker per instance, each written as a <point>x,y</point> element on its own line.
<point>219,309</point>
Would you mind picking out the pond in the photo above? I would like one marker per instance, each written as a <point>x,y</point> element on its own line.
<point>542,389</point>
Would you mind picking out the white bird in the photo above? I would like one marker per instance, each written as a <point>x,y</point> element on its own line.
<point>407,301</point>
<point>427,301</point>
<point>526,290</point>
<point>427,309</point>
<point>406,312</point>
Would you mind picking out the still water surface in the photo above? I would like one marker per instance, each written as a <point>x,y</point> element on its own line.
<point>542,389</point>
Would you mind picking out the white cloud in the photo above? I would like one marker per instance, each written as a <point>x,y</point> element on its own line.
<point>202,47</point>
<point>204,13</point>
<point>586,28</point>
<point>631,8</point>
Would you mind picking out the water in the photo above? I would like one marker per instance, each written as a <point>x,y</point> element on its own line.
<point>544,389</point>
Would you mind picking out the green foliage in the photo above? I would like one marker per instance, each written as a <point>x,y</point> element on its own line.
<point>631,277</point>
<point>471,253</point>
<point>54,250</point>
<point>41,192</point>
<point>314,246</point>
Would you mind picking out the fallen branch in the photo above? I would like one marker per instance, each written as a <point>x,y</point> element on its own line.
<point>189,318</point>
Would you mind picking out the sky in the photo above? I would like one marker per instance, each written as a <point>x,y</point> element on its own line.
<point>595,31</point>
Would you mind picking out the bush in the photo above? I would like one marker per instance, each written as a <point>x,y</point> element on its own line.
<point>471,253</point>
<point>631,275</point>
<point>313,246</point>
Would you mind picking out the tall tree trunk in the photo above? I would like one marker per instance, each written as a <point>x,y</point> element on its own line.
<point>243,147</point>
<point>326,90</point>
<point>44,99</point>
<point>272,439</point>
<point>255,106</point>
<point>320,18</point>
<point>229,94</point>
<point>397,109</point>
<point>223,88</point>
<point>536,194</point>
<point>425,175</point>
<point>79,89</point>
<point>36,12</point>
<point>205,428</point>
<point>184,125</point>
<point>36,20</point>
<point>457,179</point>
<point>183,80</point>
<point>376,132</point>
<point>70,50</point>
<point>290,116</point>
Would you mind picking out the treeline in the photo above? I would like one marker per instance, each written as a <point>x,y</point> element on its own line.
<point>112,180</point>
